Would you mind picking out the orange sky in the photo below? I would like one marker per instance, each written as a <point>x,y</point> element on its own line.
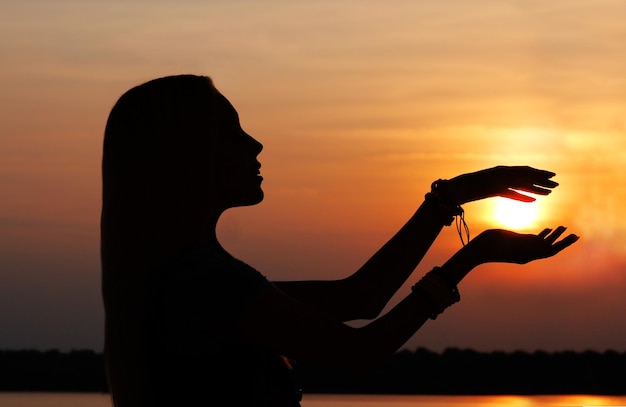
<point>359,108</point>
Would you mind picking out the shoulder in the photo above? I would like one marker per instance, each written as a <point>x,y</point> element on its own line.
<point>205,289</point>
<point>205,266</point>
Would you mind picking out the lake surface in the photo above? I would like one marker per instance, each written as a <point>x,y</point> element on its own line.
<point>327,400</point>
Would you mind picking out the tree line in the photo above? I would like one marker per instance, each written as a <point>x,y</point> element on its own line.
<point>453,371</point>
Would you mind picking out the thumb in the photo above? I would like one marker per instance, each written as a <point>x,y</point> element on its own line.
<point>512,194</point>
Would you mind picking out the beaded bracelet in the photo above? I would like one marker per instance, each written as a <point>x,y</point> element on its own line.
<point>437,290</point>
<point>446,212</point>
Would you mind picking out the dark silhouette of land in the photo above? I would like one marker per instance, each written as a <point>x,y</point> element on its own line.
<point>31,370</point>
<point>453,371</point>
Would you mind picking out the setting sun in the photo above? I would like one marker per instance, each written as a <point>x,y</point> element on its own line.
<point>516,215</point>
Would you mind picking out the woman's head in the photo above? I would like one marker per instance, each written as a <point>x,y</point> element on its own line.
<point>177,141</point>
<point>174,158</point>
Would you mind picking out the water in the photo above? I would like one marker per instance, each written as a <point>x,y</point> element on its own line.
<point>327,400</point>
<point>459,401</point>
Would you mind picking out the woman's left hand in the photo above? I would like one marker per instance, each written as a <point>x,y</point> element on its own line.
<point>504,246</point>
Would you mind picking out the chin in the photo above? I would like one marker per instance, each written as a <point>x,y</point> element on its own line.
<point>258,199</point>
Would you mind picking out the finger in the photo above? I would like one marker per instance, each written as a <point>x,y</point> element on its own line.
<point>533,173</point>
<point>512,194</point>
<point>537,185</point>
<point>547,183</point>
<point>543,173</point>
<point>555,234</point>
<point>541,178</point>
<point>547,174</point>
<point>567,241</point>
<point>544,233</point>
<point>533,189</point>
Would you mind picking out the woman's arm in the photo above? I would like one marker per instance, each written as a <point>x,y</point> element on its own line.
<point>371,287</point>
<point>299,331</point>
<point>365,293</point>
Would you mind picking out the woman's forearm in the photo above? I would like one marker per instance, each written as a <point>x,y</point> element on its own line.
<point>364,294</point>
<point>460,264</point>
<point>426,301</point>
<point>385,272</point>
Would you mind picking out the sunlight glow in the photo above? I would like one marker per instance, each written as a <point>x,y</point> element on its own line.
<point>516,215</point>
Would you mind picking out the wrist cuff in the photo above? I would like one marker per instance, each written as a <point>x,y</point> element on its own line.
<point>436,288</point>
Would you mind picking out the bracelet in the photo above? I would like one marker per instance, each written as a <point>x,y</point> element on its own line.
<point>441,272</point>
<point>448,212</point>
<point>438,291</point>
<point>437,188</point>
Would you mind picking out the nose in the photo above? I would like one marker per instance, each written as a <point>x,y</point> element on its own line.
<point>256,146</point>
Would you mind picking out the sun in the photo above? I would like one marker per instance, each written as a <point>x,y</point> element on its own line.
<point>516,215</point>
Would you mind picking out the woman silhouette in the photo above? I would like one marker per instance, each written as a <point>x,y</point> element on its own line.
<point>188,324</point>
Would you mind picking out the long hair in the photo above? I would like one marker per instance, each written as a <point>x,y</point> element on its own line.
<point>156,158</point>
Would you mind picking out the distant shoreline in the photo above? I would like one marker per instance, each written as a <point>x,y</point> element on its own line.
<point>420,372</point>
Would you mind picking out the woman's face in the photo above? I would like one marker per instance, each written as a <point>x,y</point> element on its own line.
<point>239,176</point>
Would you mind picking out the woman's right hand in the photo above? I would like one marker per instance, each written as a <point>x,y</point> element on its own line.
<point>502,181</point>
<point>504,246</point>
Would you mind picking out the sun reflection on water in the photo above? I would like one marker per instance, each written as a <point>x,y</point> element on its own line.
<point>343,400</point>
